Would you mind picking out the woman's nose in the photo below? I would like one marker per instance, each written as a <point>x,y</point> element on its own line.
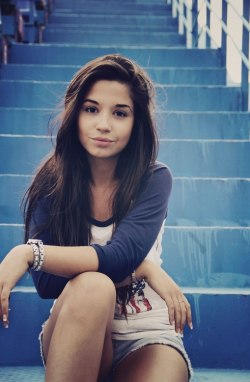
<point>103,123</point>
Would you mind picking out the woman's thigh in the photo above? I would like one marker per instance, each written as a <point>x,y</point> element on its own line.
<point>84,284</point>
<point>155,362</point>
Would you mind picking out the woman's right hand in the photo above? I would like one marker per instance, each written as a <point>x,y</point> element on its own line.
<point>178,306</point>
<point>12,268</point>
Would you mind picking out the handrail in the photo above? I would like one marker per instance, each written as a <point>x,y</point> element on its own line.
<point>246,25</point>
<point>189,26</point>
<point>225,29</point>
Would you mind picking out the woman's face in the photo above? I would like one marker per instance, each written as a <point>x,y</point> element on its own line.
<point>106,119</point>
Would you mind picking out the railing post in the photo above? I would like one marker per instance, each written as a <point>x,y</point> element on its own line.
<point>245,51</point>
<point>194,23</point>
<point>208,22</point>
<point>181,27</point>
<point>174,8</point>
<point>223,34</point>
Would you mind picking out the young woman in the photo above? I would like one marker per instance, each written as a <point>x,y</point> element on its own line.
<point>96,212</point>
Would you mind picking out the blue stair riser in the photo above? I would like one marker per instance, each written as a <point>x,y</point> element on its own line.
<point>116,11</point>
<point>214,257</point>
<point>57,54</point>
<point>183,125</point>
<point>33,94</point>
<point>185,157</point>
<point>111,38</point>
<point>203,125</point>
<point>181,76</point>
<point>210,332</point>
<point>208,256</point>
<point>93,25</point>
<point>110,3</point>
<point>113,20</point>
<point>194,201</point>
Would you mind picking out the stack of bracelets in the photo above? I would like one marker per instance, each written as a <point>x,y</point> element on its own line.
<point>38,250</point>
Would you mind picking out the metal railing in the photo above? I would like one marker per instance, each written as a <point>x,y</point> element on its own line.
<point>188,11</point>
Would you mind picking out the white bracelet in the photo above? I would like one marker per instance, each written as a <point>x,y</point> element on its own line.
<point>38,251</point>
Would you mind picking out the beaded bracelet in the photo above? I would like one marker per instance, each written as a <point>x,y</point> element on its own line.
<point>38,251</point>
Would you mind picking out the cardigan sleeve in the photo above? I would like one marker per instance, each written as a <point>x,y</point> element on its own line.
<point>137,232</point>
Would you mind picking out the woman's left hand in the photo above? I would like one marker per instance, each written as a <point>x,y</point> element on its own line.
<point>178,306</point>
<point>12,268</point>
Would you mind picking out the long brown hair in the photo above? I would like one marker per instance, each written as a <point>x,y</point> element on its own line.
<point>64,178</point>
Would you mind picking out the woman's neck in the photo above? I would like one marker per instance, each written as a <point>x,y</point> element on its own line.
<point>103,171</point>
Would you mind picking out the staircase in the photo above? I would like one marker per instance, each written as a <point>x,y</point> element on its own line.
<point>204,139</point>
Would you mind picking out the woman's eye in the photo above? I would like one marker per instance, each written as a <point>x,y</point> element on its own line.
<point>89,109</point>
<point>120,114</point>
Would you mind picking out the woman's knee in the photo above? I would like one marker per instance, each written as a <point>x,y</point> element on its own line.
<point>90,289</point>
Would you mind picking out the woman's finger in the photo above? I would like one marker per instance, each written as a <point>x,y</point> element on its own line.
<point>171,309</point>
<point>178,315</point>
<point>5,294</point>
<point>188,313</point>
<point>183,314</point>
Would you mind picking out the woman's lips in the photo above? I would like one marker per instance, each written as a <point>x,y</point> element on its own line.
<point>102,142</point>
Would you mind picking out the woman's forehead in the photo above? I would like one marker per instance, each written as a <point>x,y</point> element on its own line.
<point>110,90</point>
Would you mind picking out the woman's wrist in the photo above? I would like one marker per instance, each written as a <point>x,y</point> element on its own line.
<point>27,252</point>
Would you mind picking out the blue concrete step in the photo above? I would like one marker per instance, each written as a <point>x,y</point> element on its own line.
<point>204,125</point>
<point>139,20</point>
<point>214,311</point>
<point>34,94</point>
<point>180,124</point>
<point>163,75</point>
<point>100,8</point>
<point>195,256</point>
<point>92,37</point>
<point>36,374</point>
<point>208,256</point>
<point>220,158</point>
<point>122,27</point>
<point>194,201</point>
<point>69,54</point>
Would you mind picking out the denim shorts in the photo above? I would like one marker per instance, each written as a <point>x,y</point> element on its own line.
<point>122,348</point>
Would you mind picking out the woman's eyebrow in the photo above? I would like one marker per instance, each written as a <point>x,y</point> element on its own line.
<point>90,100</point>
<point>123,105</point>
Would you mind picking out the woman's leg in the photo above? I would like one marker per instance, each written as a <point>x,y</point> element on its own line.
<point>158,363</point>
<point>77,337</point>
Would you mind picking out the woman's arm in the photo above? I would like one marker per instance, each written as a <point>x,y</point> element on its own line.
<point>61,261</point>
<point>130,244</point>
<point>137,232</point>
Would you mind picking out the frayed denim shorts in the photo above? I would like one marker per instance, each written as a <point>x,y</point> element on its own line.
<point>123,348</point>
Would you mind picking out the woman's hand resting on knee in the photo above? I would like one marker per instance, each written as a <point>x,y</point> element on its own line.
<point>178,306</point>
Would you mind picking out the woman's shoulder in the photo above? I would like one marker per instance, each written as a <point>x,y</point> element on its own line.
<point>157,179</point>
<point>159,170</point>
